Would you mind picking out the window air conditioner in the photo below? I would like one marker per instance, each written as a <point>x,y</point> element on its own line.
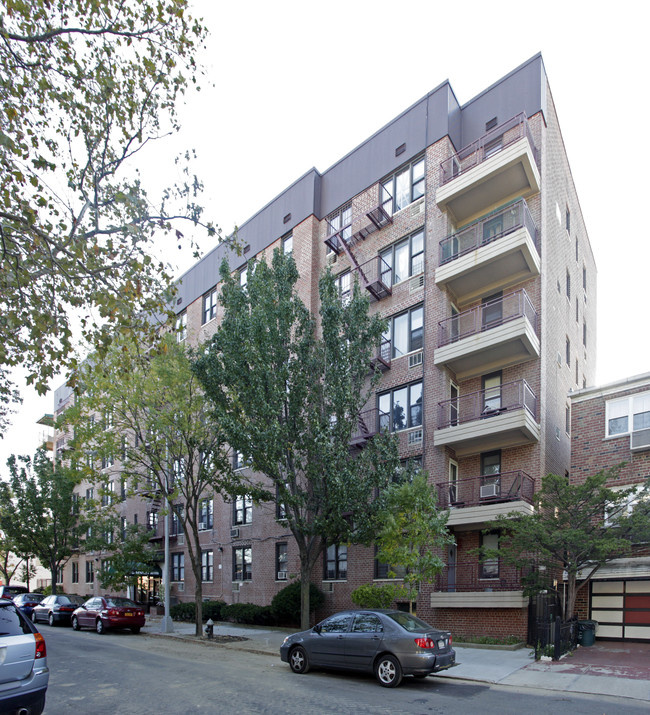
<point>235,586</point>
<point>181,539</point>
<point>234,533</point>
<point>415,437</point>
<point>282,575</point>
<point>415,359</point>
<point>202,526</point>
<point>180,587</point>
<point>640,440</point>
<point>328,587</point>
<point>489,490</point>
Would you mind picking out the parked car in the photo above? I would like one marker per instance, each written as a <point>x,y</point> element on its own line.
<point>27,601</point>
<point>23,663</point>
<point>388,643</point>
<point>56,609</point>
<point>103,612</point>
<point>11,591</point>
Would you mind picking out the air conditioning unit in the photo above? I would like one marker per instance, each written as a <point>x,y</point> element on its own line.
<point>331,258</point>
<point>235,586</point>
<point>415,437</point>
<point>328,587</point>
<point>202,526</point>
<point>234,533</point>
<point>180,587</point>
<point>282,575</point>
<point>415,359</point>
<point>181,539</point>
<point>640,440</point>
<point>489,490</point>
<point>416,283</point>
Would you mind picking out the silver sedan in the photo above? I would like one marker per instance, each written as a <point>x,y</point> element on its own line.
<point>390,644</point>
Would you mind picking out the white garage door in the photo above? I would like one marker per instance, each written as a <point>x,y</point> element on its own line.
<point>622,609</point>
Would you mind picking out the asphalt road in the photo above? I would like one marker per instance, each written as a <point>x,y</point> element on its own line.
<point>125,673</point>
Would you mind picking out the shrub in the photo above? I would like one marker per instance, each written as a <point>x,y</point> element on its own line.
<point>187,611</point>
<point>371,596</point>
<point>248,613</point>
<point>286,603</point>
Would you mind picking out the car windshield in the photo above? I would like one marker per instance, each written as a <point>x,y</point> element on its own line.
<point>118,602</point>
<point>410,623</point>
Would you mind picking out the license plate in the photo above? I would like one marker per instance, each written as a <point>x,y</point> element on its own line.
<point>128,613</point>
<point>441,643</point>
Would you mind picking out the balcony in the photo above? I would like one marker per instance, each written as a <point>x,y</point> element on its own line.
<point>489,337</point>
<point>476,585</point>
<point>368,425</point>
<point>494,418</point>
<point>362,225</point>
<point>500,166</point>
<point>480,499</point>
<point>382,358</point>
<point>491,254</point>
<point>376,277</point>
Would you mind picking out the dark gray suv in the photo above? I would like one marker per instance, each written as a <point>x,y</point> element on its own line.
<point>23,663</point>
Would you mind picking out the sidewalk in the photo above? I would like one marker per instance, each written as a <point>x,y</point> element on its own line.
<point>619,669</point>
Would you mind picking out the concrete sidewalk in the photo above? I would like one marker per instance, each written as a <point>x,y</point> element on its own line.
<point>622,671</point>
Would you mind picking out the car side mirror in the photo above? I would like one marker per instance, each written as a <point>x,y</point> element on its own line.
<point>317,628</point>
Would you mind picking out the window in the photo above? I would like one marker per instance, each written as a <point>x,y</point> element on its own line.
<point>576,248</point>
<point>287,244</point>
<point>584,334</point>
<point>206,514</point>
<point>243,511</point>
<point>567,354</point>
<point>384,570</point>
<point>567,219</point>
<point>123,524</point>
<point>280,507</point>
<point>337,624</point>
<point>489,566</point>
<point>567,419</point>
<point>401,408</point>
<point>406,332</point>
<point>242,559</point>
<point>90,572</point>
<point>243,277</point>
<point>207,565</point>
<point>577,370</point>
<point>491,394</point>
<point>152,520</point>
<point>281,557</point>
<point>209,306</point>
<point>453,482</point>
<point>75,572</point>
<point>108,494</point>
<point>340,222</point>
<point>239,461</point>
<point>178,471</point>
<point>404,259</point>
<point>629,411</point>
<point>90,493</point>
<point>343,285</point>
<point>584,278</point>
<point>577,311</point>
<point>568,286</point>
<point>625,507</point>
<point>59,574</point>
<point>177,520</point>
<point>336,562</point>
<point>181,327</point>
<point>178,567</point>
<point>403,187</point>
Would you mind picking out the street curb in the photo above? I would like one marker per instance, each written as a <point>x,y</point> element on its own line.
<point>204,641</point>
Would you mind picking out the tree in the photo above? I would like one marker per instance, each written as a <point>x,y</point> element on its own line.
<point>85,86</point>
<point>414,532</point>
<point>129,558</point>
<point>567,531</point>
<point>289,391</point>
<point>141,409</point>
<point>27,572</point>
<point>9,562</point>
<point>37,510</point>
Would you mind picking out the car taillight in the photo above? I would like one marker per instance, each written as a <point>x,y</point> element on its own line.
<point>450,641</point>
<point>113,612</point>
<point>40,646</point>
<point>425,643</point>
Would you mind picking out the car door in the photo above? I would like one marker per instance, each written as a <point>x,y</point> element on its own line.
<point>88,615</point>
<point>363,641</point>
<point>328,644</point>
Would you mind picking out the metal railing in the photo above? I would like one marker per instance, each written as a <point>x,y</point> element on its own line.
<point>489,575</point>
<point>488,229</point>
<point>487,316</point>
<point>487,403</point>
<point>377,277</point>
<point>486,489</point>
<point>488,145</point>
<point>368,424</point>
<point>384,354</point>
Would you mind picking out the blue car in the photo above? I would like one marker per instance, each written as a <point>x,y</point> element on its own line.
<point>27,601</point>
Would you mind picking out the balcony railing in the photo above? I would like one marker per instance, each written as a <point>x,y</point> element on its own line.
<point>487,403</point>
<point>362,225</point>
<point>488,145</point>
<point>383,356</point>
<point>474,576</point>
<point>368,425</point>
<point>488,229</point>
<point>377,277</point>
<point>487,316</point>
<point>487,489</point>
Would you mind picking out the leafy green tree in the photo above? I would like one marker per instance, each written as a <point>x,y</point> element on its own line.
<point>37,510</point>
<point>129,557</point>
<point>567,531</point>
<point>141,409</point>
<point>28,571</point>
<point>414,532</point>
<point>9,562</point>
<point>289,391</point>
<point>85,86</point>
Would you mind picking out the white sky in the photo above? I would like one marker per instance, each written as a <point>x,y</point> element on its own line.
<point>296,84</point>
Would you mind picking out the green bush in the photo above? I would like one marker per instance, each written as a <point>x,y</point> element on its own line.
<point>248,613</point>
<point>187,611</point>
<point>371,596</point>
<point>213,610</point>
<point>286,603</point>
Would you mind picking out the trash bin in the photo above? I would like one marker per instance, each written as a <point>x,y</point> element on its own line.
<point>587,632</point>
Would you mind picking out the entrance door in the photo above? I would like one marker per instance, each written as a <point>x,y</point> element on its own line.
<point>492,311</point>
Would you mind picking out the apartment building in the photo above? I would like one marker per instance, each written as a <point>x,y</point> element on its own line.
<point>610,426</point>
<point>463,224</point>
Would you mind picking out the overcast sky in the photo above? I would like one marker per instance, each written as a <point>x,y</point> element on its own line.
<point>295,85</point>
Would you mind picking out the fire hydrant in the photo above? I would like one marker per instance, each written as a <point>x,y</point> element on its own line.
<point>209,628</point>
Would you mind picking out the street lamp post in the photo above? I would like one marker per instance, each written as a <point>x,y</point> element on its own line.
<point>167,625</point>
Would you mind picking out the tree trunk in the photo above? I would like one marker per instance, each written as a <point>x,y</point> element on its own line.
<point>53,570</point>
<point>571,597</point>
<point>304,593</point>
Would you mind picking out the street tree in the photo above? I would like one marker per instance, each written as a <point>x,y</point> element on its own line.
<point>38,510</point>
<point>86,88</point>
<point>575,530</point>
<point>130,556</point>
<point>142,415</point>
<point>289,390</point>
<point>414,533</point>
<point>9,561</point>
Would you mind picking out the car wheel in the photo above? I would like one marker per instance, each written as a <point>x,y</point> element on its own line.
<point>298,660</point>
<point>99,626</point>
<point>388,671</point>
<point>50,619</point>
<point>135,629</point>
<point>34,617</point>
<point>75,623</point>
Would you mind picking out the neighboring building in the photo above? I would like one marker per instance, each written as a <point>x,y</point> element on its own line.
<point>463,224</point>
<point>610,426</point>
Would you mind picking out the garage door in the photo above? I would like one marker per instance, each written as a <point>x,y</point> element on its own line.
<point>622,609</point>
